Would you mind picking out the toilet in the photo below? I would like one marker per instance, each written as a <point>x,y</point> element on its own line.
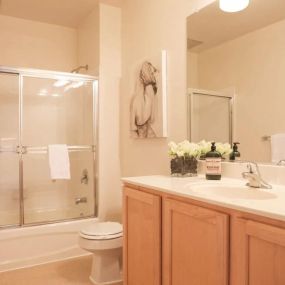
<point>104,241</point>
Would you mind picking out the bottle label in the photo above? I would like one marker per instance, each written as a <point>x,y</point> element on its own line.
<point>214,165</point>
<point>238,158</point>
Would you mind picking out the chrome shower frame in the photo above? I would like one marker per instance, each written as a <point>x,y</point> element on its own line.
<point>37,73</point>
<point>190,111</point>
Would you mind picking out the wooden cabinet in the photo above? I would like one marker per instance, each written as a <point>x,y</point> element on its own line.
<point>258,254</point>
<point>142,238</point>
<point>195,243</point>
<point>170,240</point>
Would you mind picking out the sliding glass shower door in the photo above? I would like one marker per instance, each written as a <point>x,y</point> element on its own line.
<point>9,158</point>
<point>38,111</point>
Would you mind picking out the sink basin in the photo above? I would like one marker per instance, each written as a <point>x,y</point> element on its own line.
<point>233,191</point>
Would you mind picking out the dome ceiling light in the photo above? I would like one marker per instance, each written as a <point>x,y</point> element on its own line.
<point>232,6</point>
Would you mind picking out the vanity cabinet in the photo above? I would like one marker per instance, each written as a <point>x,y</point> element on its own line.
<point>142,238</point>
<point>173,240</point>
<point>195,245</point>
<point>194,239</point>
<point>258,254</point>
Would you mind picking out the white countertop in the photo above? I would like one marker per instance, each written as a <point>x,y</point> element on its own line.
<point>268,203</point>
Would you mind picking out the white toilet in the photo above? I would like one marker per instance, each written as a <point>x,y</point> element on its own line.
<point>105,241</point>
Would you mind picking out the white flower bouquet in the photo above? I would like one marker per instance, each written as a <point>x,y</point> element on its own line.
<point>185,155</point>
<point>184,149</point>
<point>184,158</point>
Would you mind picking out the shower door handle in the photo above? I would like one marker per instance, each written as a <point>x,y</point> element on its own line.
<point>21,149</point>
<point>44,149</point>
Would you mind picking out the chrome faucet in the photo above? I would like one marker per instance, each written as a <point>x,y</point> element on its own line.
<point>281,162</point>
<point>254,178</point>
<point>84,177</point>
<point>80,200</point>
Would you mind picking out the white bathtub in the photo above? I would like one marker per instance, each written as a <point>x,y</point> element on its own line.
<point>28,246</point>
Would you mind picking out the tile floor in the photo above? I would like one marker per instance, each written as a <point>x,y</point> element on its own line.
<point>69,272</point>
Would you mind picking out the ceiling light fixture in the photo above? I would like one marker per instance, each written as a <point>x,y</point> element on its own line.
<point>232,6</point>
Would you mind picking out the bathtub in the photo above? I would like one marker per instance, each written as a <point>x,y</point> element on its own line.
<point>29,246</point>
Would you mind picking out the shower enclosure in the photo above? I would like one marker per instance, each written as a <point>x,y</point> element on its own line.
<point>39,108</point>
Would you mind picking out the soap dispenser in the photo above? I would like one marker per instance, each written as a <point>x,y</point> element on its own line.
<point>213,164</point>
<point>235,155</point>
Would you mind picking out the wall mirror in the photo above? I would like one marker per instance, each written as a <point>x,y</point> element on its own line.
<point>244,52</point>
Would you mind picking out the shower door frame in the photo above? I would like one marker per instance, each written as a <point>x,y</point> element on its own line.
<point>190,109</point>
<point>21,149</point>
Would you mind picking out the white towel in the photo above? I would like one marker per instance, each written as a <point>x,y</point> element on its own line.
<point>277,147</point>
<point>59,161</point>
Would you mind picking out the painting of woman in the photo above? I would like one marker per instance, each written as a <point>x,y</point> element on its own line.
<point>144,102</point>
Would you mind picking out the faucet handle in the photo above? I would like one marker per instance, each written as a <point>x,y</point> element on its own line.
<point>255,179</point>
<point>80,200</point>
<point>281,162</point>
<point>249,167</point>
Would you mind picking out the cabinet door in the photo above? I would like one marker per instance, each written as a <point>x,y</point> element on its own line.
<point>195,245</point>
<point>258,254</point>
<point>142,238</point>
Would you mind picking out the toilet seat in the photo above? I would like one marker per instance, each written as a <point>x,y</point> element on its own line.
<point>102,231</point>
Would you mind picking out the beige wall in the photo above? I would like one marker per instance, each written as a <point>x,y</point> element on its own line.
<point>192,70</point>
<point>255,65</point>
<point>148,27</point>
<point>101,31</point>
<point>88,42</point>
<point>33,44</point>
<point>109,89</point>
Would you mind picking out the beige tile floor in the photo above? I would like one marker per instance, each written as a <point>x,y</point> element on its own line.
<point>69,272</point>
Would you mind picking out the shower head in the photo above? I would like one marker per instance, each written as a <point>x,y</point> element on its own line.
<point>76,70</point>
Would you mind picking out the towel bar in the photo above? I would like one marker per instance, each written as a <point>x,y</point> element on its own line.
<point>44,149</point>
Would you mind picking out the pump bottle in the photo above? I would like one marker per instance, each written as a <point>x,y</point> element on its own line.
<point>213,164</point>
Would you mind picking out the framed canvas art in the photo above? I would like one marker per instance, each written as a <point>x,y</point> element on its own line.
<point>148,114</point>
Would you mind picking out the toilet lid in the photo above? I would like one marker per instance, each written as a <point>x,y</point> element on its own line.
<point>103,229</point>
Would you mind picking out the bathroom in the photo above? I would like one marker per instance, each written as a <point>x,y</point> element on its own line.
<point>41,219</point>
